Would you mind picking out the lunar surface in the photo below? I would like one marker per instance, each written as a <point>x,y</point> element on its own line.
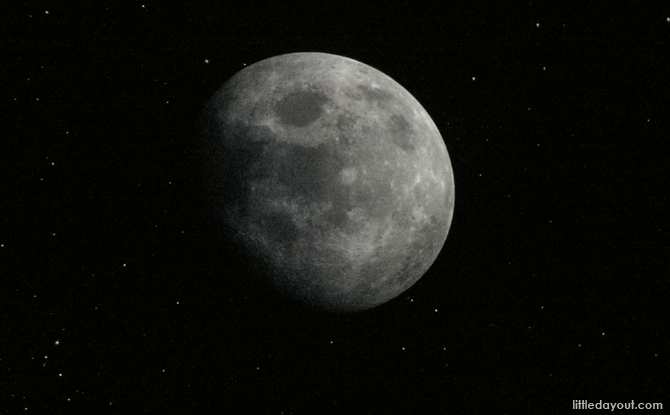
<point>329,174</point>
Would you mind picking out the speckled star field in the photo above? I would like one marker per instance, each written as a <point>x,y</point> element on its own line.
<point>116,297</point>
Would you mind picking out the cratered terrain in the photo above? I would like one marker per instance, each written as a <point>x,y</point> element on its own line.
<point>331,177</point>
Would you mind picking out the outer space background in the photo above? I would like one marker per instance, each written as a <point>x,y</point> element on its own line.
<point>115,296</point>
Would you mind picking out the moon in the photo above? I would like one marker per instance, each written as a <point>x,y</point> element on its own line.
<point>331,176</point>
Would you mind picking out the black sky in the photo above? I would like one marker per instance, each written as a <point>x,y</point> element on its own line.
<point>117,298</point>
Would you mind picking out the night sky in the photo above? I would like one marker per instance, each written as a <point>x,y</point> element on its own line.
<point>116,297</point>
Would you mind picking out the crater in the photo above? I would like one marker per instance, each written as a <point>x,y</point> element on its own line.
<point>300,108</point>
<point>348,175</point>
